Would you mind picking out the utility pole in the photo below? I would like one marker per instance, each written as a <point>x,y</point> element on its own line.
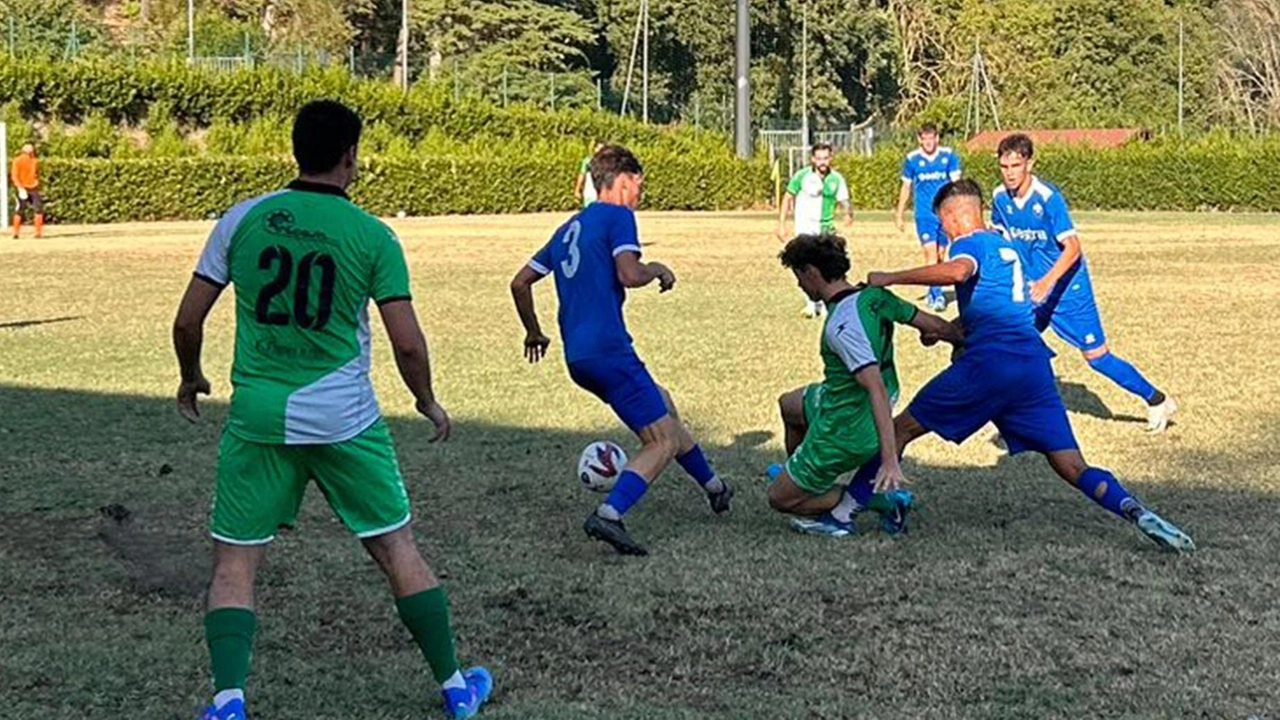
<point>742,71</point>
<point>404,48</point>
<point>804,76</point>
<point>644,8</point>
<point>191,31</point>
<point>1181,69</point>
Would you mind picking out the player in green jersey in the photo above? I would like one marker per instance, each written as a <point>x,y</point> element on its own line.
<point>814,193</point>
<point>306,262</point>
<point>584,189</point>
<point>836,426</point>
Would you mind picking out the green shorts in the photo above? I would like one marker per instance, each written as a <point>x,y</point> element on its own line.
<point>835,443</point>
<point>260,487</point>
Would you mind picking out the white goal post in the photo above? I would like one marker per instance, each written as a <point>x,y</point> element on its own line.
<point>4,176</point>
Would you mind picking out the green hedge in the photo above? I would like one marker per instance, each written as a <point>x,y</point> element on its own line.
<point>1214,173</point>
<point>126,93</point>
<point>98,191</point>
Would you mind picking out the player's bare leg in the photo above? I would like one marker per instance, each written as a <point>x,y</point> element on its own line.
<point>933,296</point>
<point>424,609</point>
<point>691,459</point>
<point>1160,407</point>
<point>794,423</point>
<point>787,497</point>
<point>230,624</point>
<point>660,442</point>
<point>1106,490</point>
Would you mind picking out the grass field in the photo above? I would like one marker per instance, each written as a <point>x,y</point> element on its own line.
<point>1012,597</point>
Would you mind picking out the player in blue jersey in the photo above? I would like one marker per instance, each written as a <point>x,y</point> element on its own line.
<point>1033,214</point>
<point>1003,374</point>
<point>924,171</point>
<point>595,258</point>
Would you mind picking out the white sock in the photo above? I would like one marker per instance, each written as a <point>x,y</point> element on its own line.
<point>714,486</point>
<point>607,512</point>
<point>455,682</point>
<point>227,696</point>
<point>846,508</point>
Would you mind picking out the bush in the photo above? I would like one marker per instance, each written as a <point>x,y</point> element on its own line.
<point>97,191</point>
<point>1211,173</point>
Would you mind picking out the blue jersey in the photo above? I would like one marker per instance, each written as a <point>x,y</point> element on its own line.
<point>581,254</point>
<point>927,174</point>
<point>995,303</point>
<point>1037,224</point>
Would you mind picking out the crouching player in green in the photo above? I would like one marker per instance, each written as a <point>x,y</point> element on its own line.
<point>844,422</point>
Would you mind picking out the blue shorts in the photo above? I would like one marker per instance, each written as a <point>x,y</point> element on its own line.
<point>929,230</point>
<point>625,385</point>
<point>1016,392</point>
<point>1073,314</point>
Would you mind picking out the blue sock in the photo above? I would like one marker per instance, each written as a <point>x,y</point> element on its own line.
<point>695,463</point>
<point>625,493</point>
<point>1103,488</point>
<point>863,484</point>
<point>1124,375</point>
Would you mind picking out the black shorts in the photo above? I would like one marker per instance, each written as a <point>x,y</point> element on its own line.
<point>33,202</point>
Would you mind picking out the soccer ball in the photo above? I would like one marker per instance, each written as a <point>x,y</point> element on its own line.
<point>600,465</point>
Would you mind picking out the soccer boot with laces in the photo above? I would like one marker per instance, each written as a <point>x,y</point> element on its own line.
<point>466,702</point>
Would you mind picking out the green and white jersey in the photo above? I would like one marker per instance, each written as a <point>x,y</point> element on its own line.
<point>816,199</point>
<point>305,262</point>
<point>859,332</point>
<point>588,185</point>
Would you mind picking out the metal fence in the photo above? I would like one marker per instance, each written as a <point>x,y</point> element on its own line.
<point>791,149</point>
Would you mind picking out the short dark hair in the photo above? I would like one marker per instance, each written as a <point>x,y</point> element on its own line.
<point>927,128</point>
<point>820,146</point>
<point>1016,143</point>
<point>825,252</point>
<point>964,187</point>
<point>323,132</point>
<point>610,162</point>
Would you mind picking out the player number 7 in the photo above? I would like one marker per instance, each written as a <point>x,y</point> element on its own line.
<point>1010,255</point>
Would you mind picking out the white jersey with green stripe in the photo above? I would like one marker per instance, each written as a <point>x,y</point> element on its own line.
<point>817,196</point>
<point>305,262</point>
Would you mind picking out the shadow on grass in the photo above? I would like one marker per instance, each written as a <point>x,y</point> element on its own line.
<point>1079,398</point>
<point>1012,597</point>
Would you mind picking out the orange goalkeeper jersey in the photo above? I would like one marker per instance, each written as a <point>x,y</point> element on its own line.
<point>24,172</point>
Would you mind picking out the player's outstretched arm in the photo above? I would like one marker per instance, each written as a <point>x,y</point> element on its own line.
<point>1071,251</point>
<point>409,346</point>
<point>535,343</point>
<point>784,208</point>
<point>188,339</point>
<point>635,274</point>
<point>903,196</point>
<point>934,328</point>
<point>889,477</point>
<point>951,272</point>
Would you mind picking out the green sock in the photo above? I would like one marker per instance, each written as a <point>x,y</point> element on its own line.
<point>229,634</point>
<point>426,614</point>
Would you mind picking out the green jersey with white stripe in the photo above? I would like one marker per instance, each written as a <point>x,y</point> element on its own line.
<point>305,262</point>
<point>859,332</point>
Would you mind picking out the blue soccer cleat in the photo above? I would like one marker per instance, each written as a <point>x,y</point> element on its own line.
<point>231,710</point>
<point>466,702</point>
<point>775,469</point>
<point>825,525</point>
<point>1164,533</point>
<point>893,519</point>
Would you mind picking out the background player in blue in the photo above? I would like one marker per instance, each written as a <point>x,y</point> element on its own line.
<point>1033,214</point>
<point>926,169</point>
<point>595,258</point>
<point>1003,374</point>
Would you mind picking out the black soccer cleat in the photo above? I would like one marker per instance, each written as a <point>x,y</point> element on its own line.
<point>614,533</point>
<point>720,501</point>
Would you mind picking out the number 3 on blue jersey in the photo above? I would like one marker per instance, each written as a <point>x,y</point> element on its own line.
<point>569,266</point>
<point>1010,255</point>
